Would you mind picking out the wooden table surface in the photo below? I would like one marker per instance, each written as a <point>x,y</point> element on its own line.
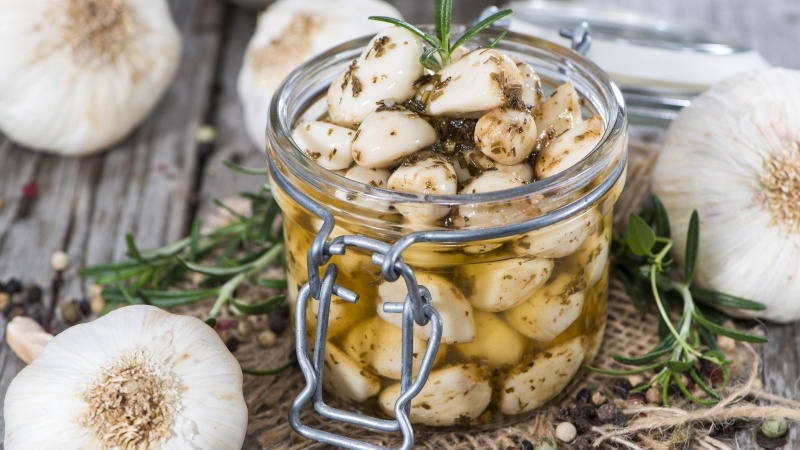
<point>155,182</point>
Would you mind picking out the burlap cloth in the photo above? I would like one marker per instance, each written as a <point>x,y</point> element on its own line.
<point>269,397</point>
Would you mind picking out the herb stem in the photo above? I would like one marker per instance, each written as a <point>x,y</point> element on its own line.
<point>227,289</point>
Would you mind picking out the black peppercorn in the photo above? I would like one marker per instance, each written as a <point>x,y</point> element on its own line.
<point>607,412</point>
<point>33,293</point>
<point>584,396</point>
<point>585,411</point>
<point>771,443</point>
<point>563,415</point>
<point>582,443</point>
<point>84,306</point>
<point>526,445</point>
<point>13,286</point>
<point>581,424</point>
<point>232,343</point>
<point>621,388</point>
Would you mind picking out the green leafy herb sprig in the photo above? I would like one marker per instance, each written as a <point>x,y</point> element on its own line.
<point>440,44</point>
<point>690,344</point>
<point>149,276</point>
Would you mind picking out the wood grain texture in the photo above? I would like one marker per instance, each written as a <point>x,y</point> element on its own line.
<point>150,183</point>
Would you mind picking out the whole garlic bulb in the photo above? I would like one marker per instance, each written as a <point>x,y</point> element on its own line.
<point>289,33</point>
<point>78,75</point>
<point>734,155</point>
<point>137,378</point>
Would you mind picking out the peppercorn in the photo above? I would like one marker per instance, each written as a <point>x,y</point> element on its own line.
<point>245,328</point>
<point>607,412</point>
<point>584,396</point>
<point>267,339</point>
<point>13,310</point>
<point>563,415</point>
<point>232,343</point>
<point>224,324</point>
<point>637,397</point>
<point>545,444</point>
<point>97,304</point>
<point>621,388</point>
<point>70,312</point>
<point>13,286</point>
<point>277,323</point>
<point>526,445</point>
<point>566,432</point>
<point>598,398</point>
<point>582,443</point>
<point>585,411</point>
<point>29,190</point>
<point>581,424</point>
<point>83,304</point>
<point>771,443</point>
<point>59,261</point>
<point>33,293</point>
<point>774,427</point>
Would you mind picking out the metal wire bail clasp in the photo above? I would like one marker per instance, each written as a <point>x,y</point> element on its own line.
<point>417,310</point>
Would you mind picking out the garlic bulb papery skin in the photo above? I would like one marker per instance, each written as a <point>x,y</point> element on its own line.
<point>734,155</point>
<point>289,33</point>
<point>79,75</point>
<point>137,378</point>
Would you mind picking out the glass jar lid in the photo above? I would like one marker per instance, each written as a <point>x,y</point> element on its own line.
<point>659,65</point>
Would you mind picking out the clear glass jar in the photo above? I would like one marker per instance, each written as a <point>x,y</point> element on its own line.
<point>520,313</point>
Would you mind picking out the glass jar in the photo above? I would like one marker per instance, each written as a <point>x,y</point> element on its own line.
<point>520,313</point>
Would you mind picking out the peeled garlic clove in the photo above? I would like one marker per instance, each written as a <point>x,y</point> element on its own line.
<point>508,136</point>
<point>70,91</point>
<point>558,113</point>
<point>494,214</point>
<point>531,84</point>
<point>386,137</point>
<point>455,310</point>
<point>346,378</point>
<point>327,144</point>
<point>500,285</point>
<point>491,181</point>
<point>532,384</point>
<point>289,33</point>
<point>475,160</point>
<point>593,256</point>
<point>373,177</point>
<point>560,239</point>
<point>342,315</point>
<point>550,310</point>
<point>491,335</point>
<point>473,85</point>
<point>386,70</point>
<point>378,345</point>
<point>26,338</point>
<point>429,176</point>
<point>186,380</point>
<point>569,148</point>
<point>450,396</point>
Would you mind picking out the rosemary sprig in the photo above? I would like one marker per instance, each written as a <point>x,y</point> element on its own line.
<point>150,276</point>
<point>689,345</point>
<point>440,44</point>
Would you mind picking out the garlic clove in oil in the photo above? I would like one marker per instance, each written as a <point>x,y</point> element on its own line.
<point>568,149</point>
<point>137,377</point>
<point>289,33</point>
<point>78,76</point>
<point>453,394</point>
<point>327,144</point>
<point>734,156</point>
<point>551,309</point>
<point>456,312</point>
<point>531,384</point>
<point>559,113</point>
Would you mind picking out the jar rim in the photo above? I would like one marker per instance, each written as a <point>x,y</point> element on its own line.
<point>280,122</point>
